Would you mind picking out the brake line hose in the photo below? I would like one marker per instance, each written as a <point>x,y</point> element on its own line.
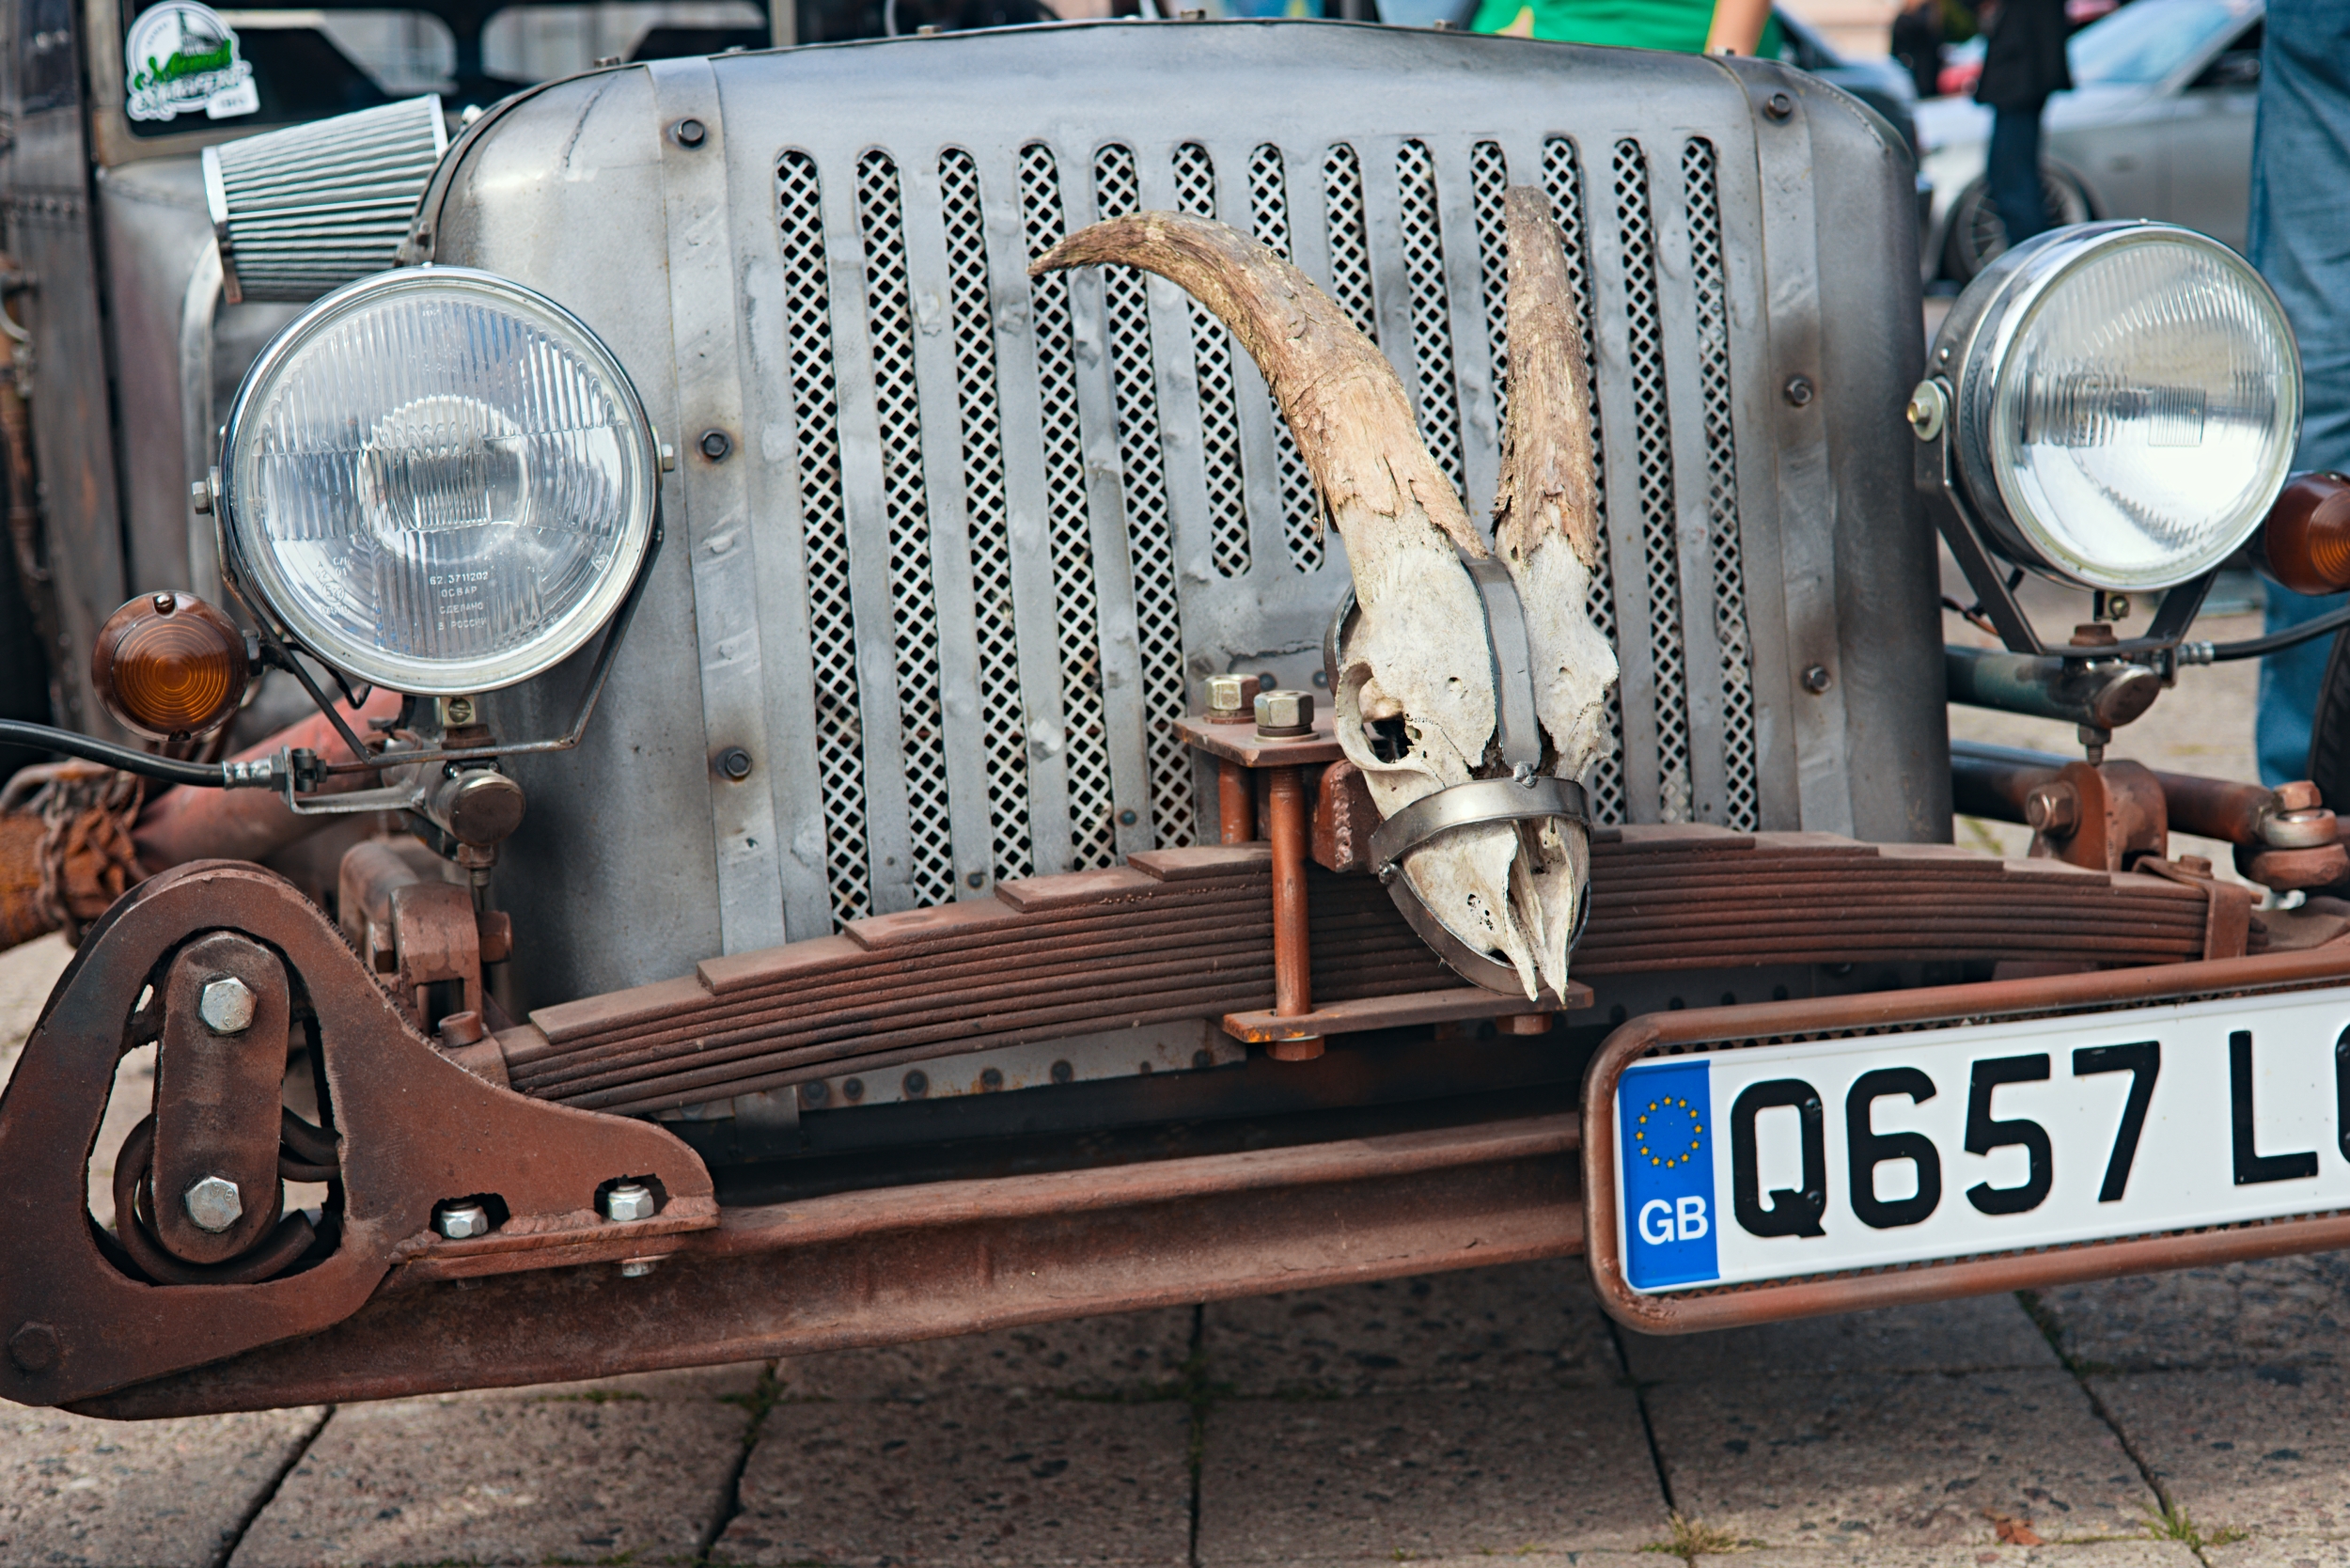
<point>216,776</point>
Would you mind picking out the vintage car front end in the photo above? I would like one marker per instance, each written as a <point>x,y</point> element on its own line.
<point>891,811</point>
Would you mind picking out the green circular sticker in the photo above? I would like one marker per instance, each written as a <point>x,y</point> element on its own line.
<point>181,58</point>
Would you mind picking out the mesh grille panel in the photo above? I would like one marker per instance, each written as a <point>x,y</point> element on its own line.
<point>1350,237</point>
<point>914,618</point>
<point>1150,527</point>
<point>1001,710</point>
<point>1489,176</point>
<point>1220,402</point>
<point>1076,606</point>
<point>1562,179</point>
<point>1439,402</point>
<point>1301,511</point>
<point>1742,806</point>
<point>1658,543</point>
<point>831,624</point>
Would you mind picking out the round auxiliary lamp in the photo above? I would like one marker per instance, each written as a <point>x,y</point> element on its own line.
<point>2113,406</point>
<point>1521,795</point>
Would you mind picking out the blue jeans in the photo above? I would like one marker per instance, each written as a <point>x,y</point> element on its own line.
<point>2012,173</point>
<point>2300,241</point>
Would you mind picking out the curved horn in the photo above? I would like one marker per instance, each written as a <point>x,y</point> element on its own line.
<point>1353,422</point>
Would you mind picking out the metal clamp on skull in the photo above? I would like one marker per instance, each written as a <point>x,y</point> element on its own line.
<point>1524,795</point>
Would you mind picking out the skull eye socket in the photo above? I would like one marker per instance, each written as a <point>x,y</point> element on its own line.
<point>1390,742</point>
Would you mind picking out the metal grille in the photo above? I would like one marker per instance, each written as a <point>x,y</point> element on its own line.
<point>1659,543</point>
<point>1562,179</point>
<point>831,624</point>
<point>1301,509</point>
<point>1742,806</point>
<point>914,611</point>
<point>1437,402</point>
<point>1219,400</point>
<point>1002,713</point>
<point>1350,236</point>
<point>1489,176</point>
<point>1150,525</point>
<point>1021,753</point>
<point>1085,737</point>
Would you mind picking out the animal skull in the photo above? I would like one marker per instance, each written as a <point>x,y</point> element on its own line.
<point>1415,708</point>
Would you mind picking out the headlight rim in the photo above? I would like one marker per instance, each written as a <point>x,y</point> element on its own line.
<point>253,570</point>
<point>1974,344</point>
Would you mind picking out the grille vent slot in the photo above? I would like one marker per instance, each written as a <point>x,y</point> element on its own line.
<point>1081,609</point>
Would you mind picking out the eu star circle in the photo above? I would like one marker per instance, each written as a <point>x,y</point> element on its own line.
<point>1669,1132</point>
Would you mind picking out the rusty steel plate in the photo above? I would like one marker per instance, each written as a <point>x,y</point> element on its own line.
<point>1772,1161</point>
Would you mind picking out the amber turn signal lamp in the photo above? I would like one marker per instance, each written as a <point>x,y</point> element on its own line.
<point>168,665</point>
<point>2306,542</point>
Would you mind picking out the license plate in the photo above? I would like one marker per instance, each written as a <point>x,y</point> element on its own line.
<point>1775,1161</point>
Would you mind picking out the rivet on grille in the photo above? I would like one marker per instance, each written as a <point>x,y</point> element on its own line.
<point>716,445</point>
<point>1779,106</point>
<point>735,763</point>
<point>689,133</point>
<point>1816,679</point>
<point>1798,391</point>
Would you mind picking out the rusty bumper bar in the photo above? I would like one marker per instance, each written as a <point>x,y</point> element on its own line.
<point>926,1262</point>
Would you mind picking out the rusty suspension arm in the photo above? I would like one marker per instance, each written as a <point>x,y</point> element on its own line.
<point>2008,784</point>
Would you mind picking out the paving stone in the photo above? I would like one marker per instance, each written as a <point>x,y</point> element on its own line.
<point>2275,1310</point>
<point>2265,1448</point>
<point>1128,1353</point>
<point>1522,1325</point>
<point>74,1490</point>
<point>1427,1474</point>
<point>2279,1551</point>
<point>527,1477</point>
<point>736,1380</point>
<point>1944,1336</point>
<point>2099,1554</point>
<point>969,1478</point>
<point>1888,1461</point>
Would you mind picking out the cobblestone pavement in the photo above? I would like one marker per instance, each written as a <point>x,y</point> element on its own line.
<point>2184,1418</point>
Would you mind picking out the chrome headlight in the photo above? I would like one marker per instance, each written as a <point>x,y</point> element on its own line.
<point>2125,400</point>
<point>439,481</point>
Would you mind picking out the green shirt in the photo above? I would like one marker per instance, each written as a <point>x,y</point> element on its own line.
<point>1675,25</point>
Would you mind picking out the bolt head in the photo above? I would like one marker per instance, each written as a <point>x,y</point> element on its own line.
<point>2299,795</point>
<point>690,132</point>
<point>1798,391</point>
<point>715,445</point>
<point>1817,679</point>
<point>35,1348</point>
<point>735,763</point>
<point>637,1268</point>
<point>627,1202</point>
<point>226,1005</point>
<point>461,1221</point>
<point>1778,106</point>
<point>1231,698</point>
<point>214,1203</point>
<point>2052,810</point>
<point>1285,713</point>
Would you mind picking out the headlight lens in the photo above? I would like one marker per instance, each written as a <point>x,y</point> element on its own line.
<point>2128,399</point>
<point>440,480</point>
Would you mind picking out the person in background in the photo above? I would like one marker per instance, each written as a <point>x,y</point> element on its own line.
<point>2299,239</point>
<point>1917,43</point>
<point>1686,27</point>
<point>2023,62</point>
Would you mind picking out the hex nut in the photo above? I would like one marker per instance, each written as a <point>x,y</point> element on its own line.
<point>226,1005</point>
<point>627,1202</point>
<point>35,1347</point>
<point>214,1203</point>
<point>1231,698</point>
<point>2052,810</point>
<point>2299,796</point>
<point>1799,391</point>
<point>637,1268</point>
<point>1285,713</point>
<point>1817,679</point>
<point>690,132</point>
<point>461,1221</point>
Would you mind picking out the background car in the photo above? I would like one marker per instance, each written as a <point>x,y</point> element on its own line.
<point>2158,125</point>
